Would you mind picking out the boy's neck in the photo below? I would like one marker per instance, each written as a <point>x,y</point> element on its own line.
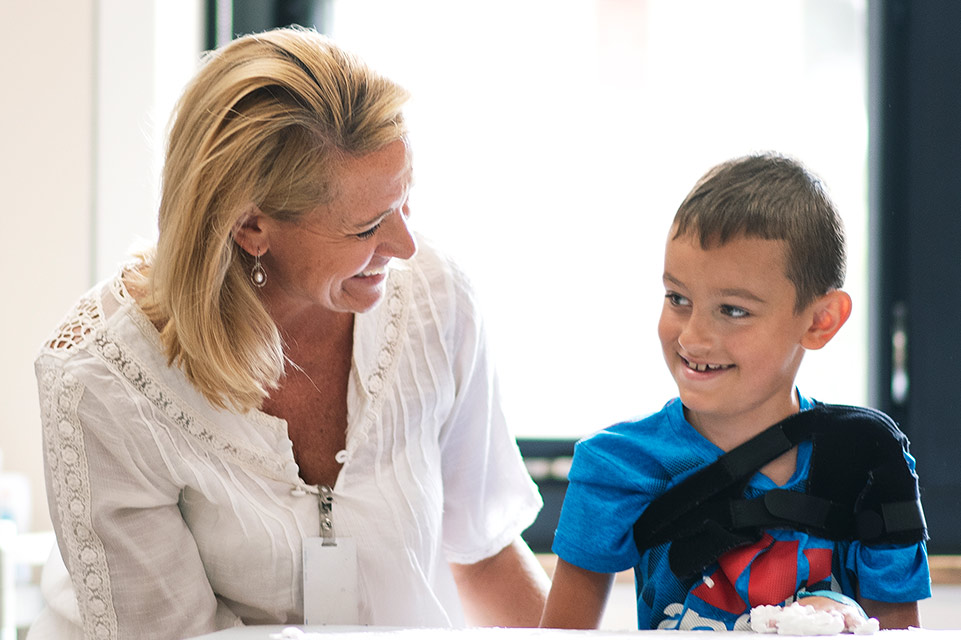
<point>728,432</point>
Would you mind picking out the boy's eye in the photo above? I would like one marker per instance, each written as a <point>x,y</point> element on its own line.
<point>734,312</point>
<point>363,235</point>
<point>677,300</point>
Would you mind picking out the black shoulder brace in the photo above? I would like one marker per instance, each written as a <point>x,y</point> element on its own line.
<point>859,488</point>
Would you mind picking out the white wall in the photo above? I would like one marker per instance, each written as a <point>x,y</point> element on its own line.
<point>84,85</point>
<point>46,118</point>
<point>146,51</point>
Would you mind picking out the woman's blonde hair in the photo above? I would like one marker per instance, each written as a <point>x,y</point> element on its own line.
<point>261,125</point>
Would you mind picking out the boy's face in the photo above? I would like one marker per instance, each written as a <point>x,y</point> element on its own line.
<point>730,334</point>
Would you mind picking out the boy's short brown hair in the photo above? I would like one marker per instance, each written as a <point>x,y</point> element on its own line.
<point>773,197</point>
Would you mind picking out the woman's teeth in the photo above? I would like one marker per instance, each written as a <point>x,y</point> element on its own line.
<point>374,272</point>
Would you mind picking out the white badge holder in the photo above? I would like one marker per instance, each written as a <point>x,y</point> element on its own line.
<point>331,596</point>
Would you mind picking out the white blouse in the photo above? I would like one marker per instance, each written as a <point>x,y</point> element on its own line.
<point>177,518</point>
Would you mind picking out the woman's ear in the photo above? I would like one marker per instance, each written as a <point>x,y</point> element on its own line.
<point>250,233</point>
<point>828,314</point>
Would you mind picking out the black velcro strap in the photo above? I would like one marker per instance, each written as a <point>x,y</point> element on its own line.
<point>799,507</point>
<point>903,516</point>
<point>660,519</point>
<point>690,554</point>
<point>894,518</point>
<point>859,487</point>
<point>779,507</point>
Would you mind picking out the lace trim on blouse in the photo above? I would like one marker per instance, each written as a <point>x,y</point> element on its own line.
<point>393,330</point>
<point>61,395</point>
<point>83,319</point>
<point>86,323</point>
<point>167,402</point>
<point>70,483</point>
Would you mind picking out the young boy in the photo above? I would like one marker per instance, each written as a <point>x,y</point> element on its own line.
<point>822,508</point>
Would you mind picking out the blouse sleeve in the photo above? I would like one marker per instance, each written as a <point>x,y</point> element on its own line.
<point>133,563</point>
<point>489,497</point>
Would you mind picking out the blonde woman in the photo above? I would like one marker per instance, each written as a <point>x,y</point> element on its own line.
<point>286,370</point>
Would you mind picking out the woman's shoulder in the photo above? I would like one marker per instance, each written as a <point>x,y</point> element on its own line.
<point>437,265</point>
<point>89,315</point>
<point>80,323</point>
<point>440,284</point>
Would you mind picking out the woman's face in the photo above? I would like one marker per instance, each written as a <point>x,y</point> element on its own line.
<point>336,257</point>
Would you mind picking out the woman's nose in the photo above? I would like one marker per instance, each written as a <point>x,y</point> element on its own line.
<point>399,242</point>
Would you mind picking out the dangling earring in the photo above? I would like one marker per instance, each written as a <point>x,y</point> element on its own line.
<point>257,275</point>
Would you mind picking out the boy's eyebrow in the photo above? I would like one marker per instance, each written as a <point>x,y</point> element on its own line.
<point>733,292</point>
<point>741,293</point>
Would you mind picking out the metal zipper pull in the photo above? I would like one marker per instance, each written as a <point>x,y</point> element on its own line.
<point>325,501</point>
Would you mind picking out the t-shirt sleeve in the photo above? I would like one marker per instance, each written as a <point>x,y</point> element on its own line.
<point>604,498</point>
<point>891,573</point>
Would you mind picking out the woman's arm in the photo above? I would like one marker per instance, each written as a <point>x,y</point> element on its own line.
<point>133,562</point>
<point>506,590</point>
<point>577,598</point>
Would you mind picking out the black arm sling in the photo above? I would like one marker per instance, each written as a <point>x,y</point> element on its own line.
<point>859,487</point>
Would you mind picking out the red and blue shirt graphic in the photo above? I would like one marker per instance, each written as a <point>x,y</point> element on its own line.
<point>618,471</point>
<point>770,571</point>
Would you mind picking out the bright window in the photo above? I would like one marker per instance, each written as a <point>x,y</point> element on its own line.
<point>554,139</point>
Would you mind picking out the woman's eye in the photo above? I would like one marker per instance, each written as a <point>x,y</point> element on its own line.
<point>676,299</point>
<point>734,312</point>
<point>363,235</point>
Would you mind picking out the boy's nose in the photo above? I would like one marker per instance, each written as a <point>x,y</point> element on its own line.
<point>694,337</point>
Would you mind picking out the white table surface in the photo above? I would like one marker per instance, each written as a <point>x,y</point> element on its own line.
<point>383,633</point>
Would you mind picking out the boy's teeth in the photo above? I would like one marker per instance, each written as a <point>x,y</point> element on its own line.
<point>706,367</point>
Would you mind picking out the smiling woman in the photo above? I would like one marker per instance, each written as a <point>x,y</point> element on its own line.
<point>335,257</point>
<point>286,386</point>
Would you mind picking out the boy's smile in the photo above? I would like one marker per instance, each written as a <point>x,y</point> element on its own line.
<point>730,335</point>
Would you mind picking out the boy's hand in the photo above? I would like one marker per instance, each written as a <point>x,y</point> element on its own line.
<point>811,614</point>
<point>854,617</point>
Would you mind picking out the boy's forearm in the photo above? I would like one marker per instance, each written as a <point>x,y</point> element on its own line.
<point>892,615</point>
<point>577,598</point>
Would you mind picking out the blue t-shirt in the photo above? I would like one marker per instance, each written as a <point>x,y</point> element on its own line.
<point>617,472</point>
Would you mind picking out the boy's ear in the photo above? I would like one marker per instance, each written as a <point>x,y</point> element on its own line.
<point>250,233</point>
<point>828,314</point>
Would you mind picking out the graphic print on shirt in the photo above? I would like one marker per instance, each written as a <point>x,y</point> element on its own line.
<point>768,572</point>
